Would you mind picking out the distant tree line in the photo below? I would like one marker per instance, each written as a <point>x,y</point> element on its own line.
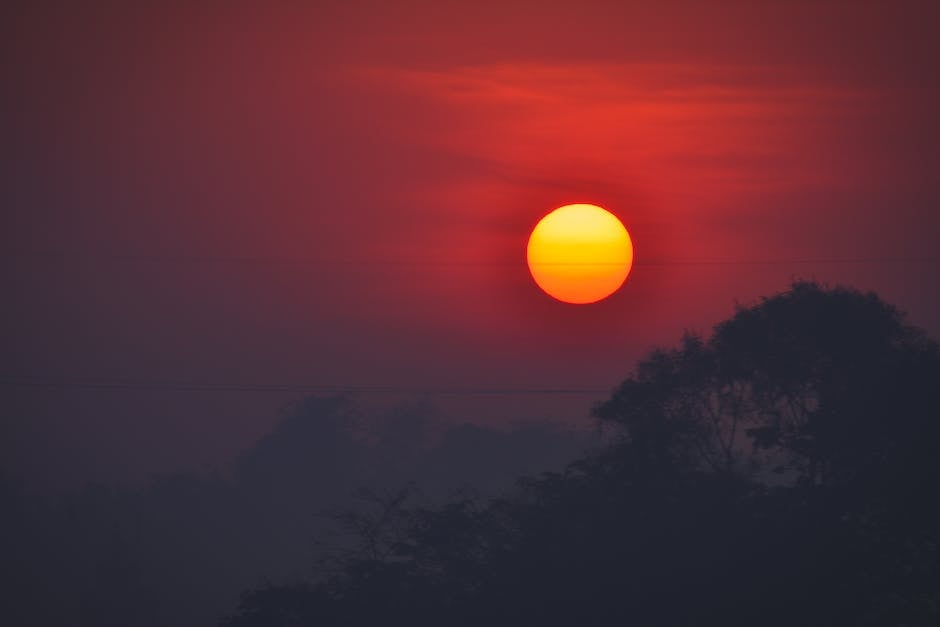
<point>783,471</point>
<point>178,550</point>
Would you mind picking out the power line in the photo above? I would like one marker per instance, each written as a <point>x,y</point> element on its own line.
<point>204,386</point>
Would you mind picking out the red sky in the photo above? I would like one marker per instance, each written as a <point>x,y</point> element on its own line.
<point>339,194</point>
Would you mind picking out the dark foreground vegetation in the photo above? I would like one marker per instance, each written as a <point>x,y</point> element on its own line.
<point>783,472</point>
<point>178,550</point>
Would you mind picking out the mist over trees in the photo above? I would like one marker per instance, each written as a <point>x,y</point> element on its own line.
<point>179,550</point>
<point>782,471</point>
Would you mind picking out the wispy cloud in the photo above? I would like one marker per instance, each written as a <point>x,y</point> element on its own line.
<point>673,127</point>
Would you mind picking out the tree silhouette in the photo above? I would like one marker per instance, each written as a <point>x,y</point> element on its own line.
<point>819,384</point>
<point>179,549</point>
<point>779,472</point>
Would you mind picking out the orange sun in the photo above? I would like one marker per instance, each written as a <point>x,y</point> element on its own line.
<point>579,253</point>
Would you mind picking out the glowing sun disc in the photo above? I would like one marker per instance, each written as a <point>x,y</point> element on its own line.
<point>579,253</point>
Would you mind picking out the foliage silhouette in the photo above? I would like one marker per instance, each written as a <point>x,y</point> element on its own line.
<point>781,472</point>
<point>178,550</point>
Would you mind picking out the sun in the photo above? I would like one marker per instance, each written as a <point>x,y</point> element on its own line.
<point>579,253</point>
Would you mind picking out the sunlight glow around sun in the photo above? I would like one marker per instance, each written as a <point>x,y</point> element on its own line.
<point>579,253</point>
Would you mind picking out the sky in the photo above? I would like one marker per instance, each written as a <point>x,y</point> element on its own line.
<point>212,208</point>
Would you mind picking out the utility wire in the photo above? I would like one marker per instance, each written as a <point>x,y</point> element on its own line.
<point>203,386</point>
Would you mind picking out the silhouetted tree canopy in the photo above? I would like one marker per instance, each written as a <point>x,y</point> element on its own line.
<point>179,549</point>
<point>822,386</point>
<point>781,472</point>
